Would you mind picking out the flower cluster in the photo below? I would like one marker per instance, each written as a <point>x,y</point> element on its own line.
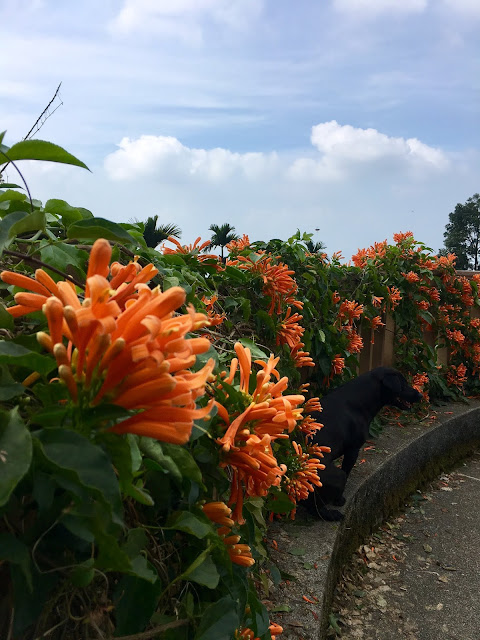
<point>219,513</point>
<point>268,415</point>
<point>122,344</point>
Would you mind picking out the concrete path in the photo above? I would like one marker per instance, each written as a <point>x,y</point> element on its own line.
<point>418,577</point>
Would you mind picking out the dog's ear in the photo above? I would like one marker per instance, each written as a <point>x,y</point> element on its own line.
<point>392,382</point>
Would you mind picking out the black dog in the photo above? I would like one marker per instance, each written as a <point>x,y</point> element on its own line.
<point>347,413</point>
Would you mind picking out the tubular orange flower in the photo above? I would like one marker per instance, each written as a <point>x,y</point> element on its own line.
<point>219,513</point>
<point>338,365</point>
<point>411,276</point>
<point>376,322</point>
<point>236,246</point>
<point>194,249</point>
<point>126,346</point>
<point>247,441</point>
<point>400,237</point>
<point>355,343</point>
<point>278,284</point>
<point>394,297</point>
<point>349,311</point>
<point>304,476</point>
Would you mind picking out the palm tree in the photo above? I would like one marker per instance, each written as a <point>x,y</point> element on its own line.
<point>154,234</point>
<point>222,235</point>
<point>315,247</point>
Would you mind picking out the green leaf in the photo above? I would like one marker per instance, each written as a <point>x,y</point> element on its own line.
<point>65,256</point>
<point>85,464</point>
<point>15,354</point>
<point>153,449</point>
<point>34,221</point>
<point>135,602</point>
<point>15,452</point>
<point>6,320</point>
<point>10,185</point>
<point>15,551</point>
<point>11,195</point>
<point>238,275</point>
<point>68,213</point>
<point>40,150</point>
<point>281,608</point>
<point>94,228</point>
<point>8,387</point>
<point>257,353</point>
<point>219,621</point>
<point>83,574</point>
<point>6,226</point>
<point>205,574</point>
<point>184,461</point>
<point>186,521</point>
<point>279,502</point>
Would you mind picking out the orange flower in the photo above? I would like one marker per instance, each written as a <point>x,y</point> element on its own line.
<point>355,343</point>
<point>235,246</point>
<point>376,322</point>
<point>420,380</point>
<point>290,330</point>
<point>304,478</point>
<point>411,276</point>
<point>400,237</point>
<point>247,442</point>
<point>338,365</point>
<point>194,249</point>
<point>377,301</point>
<point>349,312</point>
<point>214,319</point>
<point>394,297</point>
<point>248,634</point>
<point>456,376</point>
<point>278,284</point>
<point>219,513</point>
<point>335,297</point>
<point>359,259</point>
<point>126,346</point>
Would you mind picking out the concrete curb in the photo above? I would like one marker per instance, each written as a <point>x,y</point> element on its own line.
<point>404,460</point>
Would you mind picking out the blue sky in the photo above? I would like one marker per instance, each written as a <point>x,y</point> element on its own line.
<point>357,117</point>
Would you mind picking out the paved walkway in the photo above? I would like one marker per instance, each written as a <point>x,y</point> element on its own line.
<point>418,577</point>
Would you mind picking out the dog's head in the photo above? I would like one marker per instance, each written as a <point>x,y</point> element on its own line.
<point>396,391</point>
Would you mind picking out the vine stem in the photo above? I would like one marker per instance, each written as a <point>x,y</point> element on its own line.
<point>39,263</point>
<point>23,179</point>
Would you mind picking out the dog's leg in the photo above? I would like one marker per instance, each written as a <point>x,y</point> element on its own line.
<point>349,458</point>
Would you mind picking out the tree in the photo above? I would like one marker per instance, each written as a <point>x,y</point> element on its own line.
<point>222,235</point>
<point>462,233</point>
<point>315,247</point>
<point>154,234</point>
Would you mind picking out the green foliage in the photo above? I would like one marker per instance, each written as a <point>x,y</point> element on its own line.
<point>462,233</point>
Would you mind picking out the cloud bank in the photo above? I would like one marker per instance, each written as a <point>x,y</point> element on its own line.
<point>339,151</point>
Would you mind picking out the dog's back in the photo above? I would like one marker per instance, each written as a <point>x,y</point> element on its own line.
<point>347,413</point>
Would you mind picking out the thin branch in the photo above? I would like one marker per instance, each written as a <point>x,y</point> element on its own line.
<point>39,263</point>
<point>43,113</point>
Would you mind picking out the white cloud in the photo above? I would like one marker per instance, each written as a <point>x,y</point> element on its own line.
<point>345,150</point>
<point>375,7</point>
<point>166,157</point>
<point>184,18</point>
<point>340,152</point>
